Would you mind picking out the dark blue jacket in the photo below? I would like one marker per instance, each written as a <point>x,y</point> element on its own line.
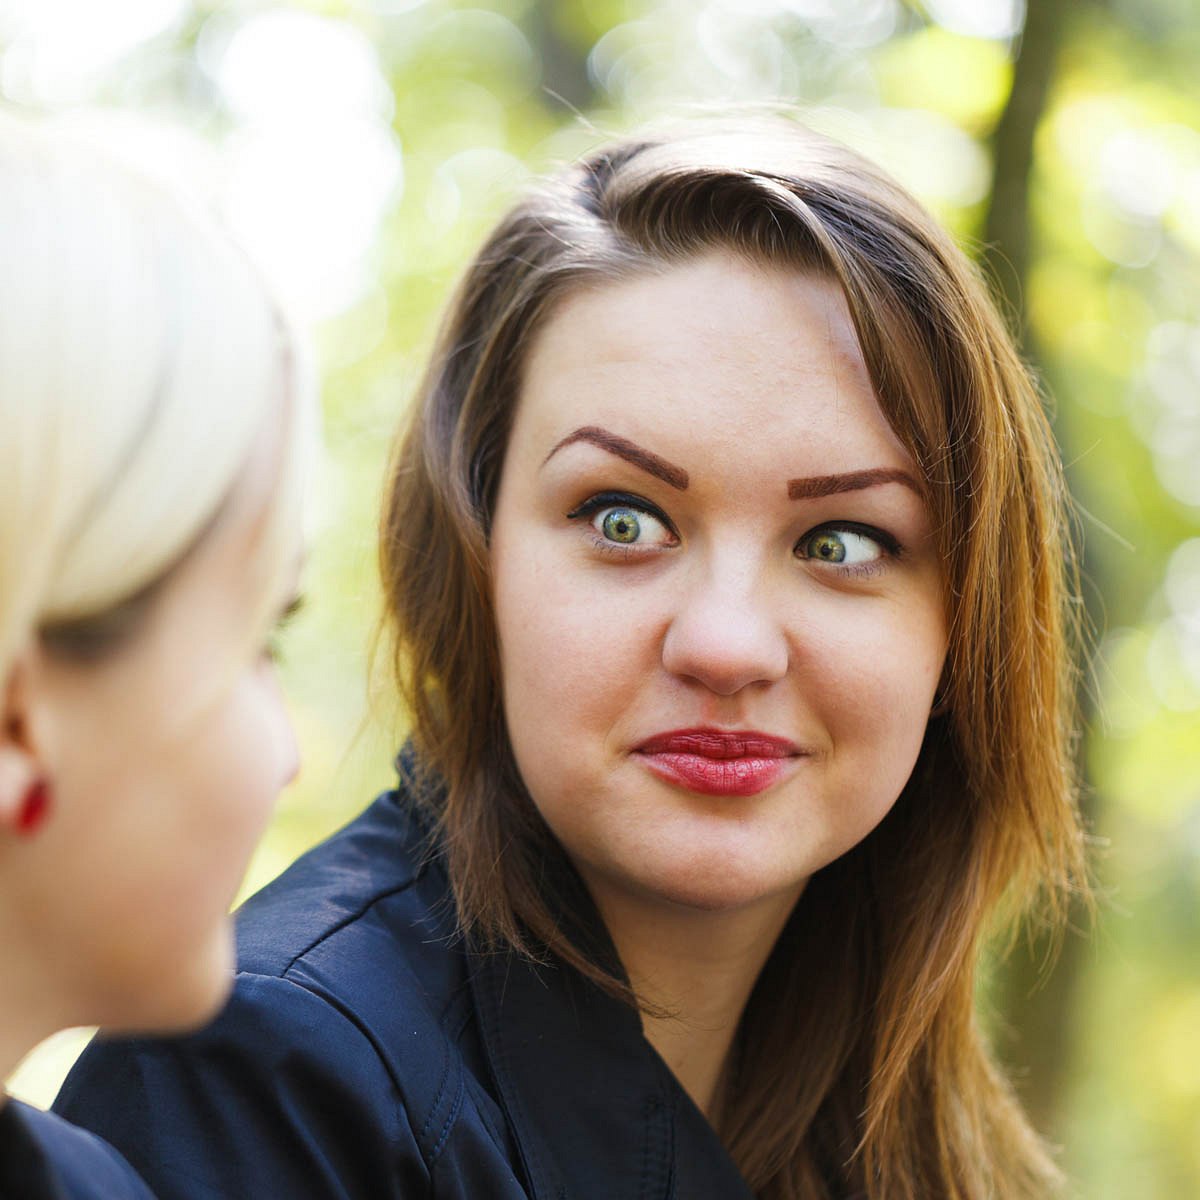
<point>43,1157</point>
<point>367,1054</point>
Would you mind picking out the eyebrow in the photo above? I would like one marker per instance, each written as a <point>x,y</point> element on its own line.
<point>852,481</point>
<point>668,472</point>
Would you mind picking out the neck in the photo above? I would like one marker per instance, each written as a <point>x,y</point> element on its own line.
<point>18,1035</point>
<point>698,969</point>
<point>30,1004</point>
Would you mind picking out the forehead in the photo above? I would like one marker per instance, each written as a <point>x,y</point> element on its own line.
<point>712,356</point>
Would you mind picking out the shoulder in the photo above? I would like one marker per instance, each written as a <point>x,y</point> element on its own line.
<point>293,1092</point>
<point>364,928</point>
<point>365,922</point>
<point>342,1058</point>
<point>378,856</point>
<point>62,1160</point>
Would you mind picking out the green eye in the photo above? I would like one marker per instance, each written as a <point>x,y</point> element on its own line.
<point>844,547</point>
<point>621,525</point>
<point>625,522</point>
<point>828,547</point>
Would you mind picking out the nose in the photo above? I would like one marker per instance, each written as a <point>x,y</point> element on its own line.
<point>289,752</point>
<point>724,633</point>
<point>286,743</point>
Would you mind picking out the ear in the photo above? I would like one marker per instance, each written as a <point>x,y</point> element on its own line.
<point>20,768</point>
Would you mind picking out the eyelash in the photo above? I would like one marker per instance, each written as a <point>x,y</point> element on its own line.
<point>890,546</point>
<point>272,650</point>
<point>603,500</point>
<point>887,543</point>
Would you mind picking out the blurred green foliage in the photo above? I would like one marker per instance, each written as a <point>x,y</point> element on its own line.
<point>472,98</point>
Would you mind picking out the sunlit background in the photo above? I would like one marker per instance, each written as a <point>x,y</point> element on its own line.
<point>360,149</point>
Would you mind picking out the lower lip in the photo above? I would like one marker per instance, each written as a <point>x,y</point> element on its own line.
<point>717,776</point>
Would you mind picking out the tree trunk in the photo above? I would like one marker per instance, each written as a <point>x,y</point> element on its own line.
<point>1036,1004</point>
<point>565,79</point>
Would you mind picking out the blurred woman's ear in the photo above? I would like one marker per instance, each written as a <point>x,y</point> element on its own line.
<point>22,782</point>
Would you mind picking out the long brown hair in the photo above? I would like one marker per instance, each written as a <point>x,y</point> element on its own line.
<point>859,1065</point>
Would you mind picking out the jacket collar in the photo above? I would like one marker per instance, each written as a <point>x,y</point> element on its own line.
<point>595,1112</point>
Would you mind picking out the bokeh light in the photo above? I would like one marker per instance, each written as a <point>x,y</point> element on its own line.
<point>361,147</point>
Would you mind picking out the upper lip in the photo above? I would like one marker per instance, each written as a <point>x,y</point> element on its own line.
<point>719,743</point>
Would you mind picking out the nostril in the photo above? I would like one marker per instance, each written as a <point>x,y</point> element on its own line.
<point>726,650</point>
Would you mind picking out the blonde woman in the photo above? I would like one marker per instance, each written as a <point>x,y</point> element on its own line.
<point>154,425</point>
<point>726,557</point>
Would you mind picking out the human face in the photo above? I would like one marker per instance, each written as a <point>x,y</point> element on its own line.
<point>714,562</point>
<point>165,761</point>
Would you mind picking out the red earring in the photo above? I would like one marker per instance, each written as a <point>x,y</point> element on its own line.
<point>35,807</point>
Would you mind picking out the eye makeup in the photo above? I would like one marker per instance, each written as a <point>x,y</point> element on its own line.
<point>833,552</point>
<point>273,650</point>
<point>621,530</point>
<point>889,544</point>
<point>602,500</point>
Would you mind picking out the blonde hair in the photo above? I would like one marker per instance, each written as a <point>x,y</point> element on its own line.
<point>140,355</point>
<point>859,1065</point>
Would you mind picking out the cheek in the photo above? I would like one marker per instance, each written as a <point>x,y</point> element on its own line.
<point>252,751</point>
<point>217,782</point>
<point>161,831</point>
<point>878,665</point>
<point>573,659</point>
<point>215,805</point>
<point>566,652</point>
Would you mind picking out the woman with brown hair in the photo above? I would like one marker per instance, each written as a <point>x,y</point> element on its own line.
<point>727,558</point>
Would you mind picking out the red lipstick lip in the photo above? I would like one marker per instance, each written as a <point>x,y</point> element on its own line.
<point>718,762</point>
<point>720,744</point>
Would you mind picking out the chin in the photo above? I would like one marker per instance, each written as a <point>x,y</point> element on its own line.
<point>201,1006</point>
<point>186,993</point>
<point>723,886</point>
<point>720,899</point>
<point>210,980</point>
